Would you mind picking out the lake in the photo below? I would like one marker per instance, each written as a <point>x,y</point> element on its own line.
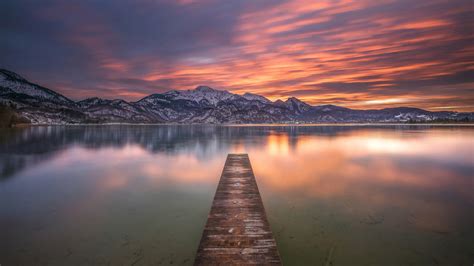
<point>140,195</point>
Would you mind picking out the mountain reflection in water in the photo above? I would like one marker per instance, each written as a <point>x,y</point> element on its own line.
<point>333,194</point>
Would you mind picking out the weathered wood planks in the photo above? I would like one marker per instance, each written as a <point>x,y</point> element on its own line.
<point>237,230</point>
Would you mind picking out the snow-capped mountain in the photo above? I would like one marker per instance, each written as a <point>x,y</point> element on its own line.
<point>14,83</point>
<point>202,95</point>
<point>255,97</point>
<point>35,103</point>
<point>113,110</point>
<point>203,104</point>
<point>297,105</point>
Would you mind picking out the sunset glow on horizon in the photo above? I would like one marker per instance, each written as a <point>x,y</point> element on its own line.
<point>356,54</point>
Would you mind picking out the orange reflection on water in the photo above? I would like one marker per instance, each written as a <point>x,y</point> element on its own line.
<point>277,144</point>
<point>327,165</point>
<point>372,169</point>
<point>376,169</point>
<point>120,167</point>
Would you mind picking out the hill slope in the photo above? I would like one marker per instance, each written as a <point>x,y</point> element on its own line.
<point>40,105</point>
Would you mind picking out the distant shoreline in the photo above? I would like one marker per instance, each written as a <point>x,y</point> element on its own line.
<point>248,125</point>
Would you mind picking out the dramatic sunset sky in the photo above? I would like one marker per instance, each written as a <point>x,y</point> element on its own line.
<point>354,53</point>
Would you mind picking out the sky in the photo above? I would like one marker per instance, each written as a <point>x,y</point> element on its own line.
<point>361,54</point>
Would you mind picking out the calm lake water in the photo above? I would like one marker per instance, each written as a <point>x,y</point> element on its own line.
<point>140,195</point>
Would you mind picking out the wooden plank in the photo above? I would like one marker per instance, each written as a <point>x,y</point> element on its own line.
<point>237,230</point>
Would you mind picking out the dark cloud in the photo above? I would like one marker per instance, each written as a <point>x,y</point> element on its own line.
<point>350,52</point>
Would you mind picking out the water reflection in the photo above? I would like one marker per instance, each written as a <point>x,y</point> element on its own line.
<point>333,194</point>
<point>21,147</point>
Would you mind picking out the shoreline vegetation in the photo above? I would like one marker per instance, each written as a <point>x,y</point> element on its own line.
<point>10,118</point>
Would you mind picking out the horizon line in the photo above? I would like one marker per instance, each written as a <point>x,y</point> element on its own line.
<point>430,109</point>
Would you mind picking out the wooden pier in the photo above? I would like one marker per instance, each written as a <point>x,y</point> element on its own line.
<point>237,231</point>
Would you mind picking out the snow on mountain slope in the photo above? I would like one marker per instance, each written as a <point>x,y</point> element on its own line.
<point>255,97</point>
<point>19,85</point>
<point>114,110</point>
<point>297,105</point>
<point>202,94</point>
<point>201,105</point>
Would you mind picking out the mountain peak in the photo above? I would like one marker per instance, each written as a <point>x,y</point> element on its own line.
<point>91,99</point>
<point>296,104</point>
<point>204,88</point>
<point>279,102</point>
<point>294,99</point>
<point>11,75</point>
<point>20,85</point>
<point>199,94</point>
<point>255,97</point>
<point>200,105</point>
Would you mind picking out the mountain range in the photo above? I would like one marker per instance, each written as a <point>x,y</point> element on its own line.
<point>35,104</point>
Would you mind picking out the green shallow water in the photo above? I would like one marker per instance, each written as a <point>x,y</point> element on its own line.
<point>334,195</point>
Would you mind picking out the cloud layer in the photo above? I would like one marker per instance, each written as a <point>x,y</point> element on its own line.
<point>355,53</point>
